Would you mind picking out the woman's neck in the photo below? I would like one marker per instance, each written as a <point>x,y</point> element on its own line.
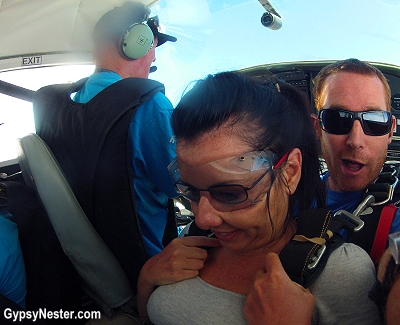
<point>234,271</point>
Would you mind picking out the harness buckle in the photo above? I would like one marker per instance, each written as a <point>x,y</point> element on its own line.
<point>364,204</point>
<point>316,257</point>
<point>354,218</point>
<point>351,221</point>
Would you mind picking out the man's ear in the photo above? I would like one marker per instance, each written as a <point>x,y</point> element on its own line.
<point>317,127</point>
<point>293,170</point>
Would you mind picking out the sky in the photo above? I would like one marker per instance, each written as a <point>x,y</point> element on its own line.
<point>219,35</point>
<point>227,35</point>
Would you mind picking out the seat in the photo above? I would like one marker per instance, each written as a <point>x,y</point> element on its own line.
<point>103,278</point>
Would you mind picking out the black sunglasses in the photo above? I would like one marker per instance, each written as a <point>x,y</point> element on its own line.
<point>338,121</point>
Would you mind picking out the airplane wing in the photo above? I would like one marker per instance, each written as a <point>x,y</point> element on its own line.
<point>268,7</point>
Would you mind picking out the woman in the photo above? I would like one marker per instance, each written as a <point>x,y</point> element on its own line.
<point>247,158</point>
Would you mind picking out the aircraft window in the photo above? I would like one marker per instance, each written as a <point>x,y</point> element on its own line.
<point>16,115</point>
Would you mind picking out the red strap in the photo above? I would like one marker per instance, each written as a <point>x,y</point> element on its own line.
<point>382,232</point>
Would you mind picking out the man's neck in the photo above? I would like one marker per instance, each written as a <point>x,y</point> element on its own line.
<point>98,70</point>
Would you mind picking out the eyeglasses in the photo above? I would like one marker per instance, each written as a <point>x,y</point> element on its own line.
<point>227,194</point>
<point>337,121</point>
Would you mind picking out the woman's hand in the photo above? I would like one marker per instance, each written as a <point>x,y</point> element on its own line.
<point>181,259</point>
<point>275,299</point>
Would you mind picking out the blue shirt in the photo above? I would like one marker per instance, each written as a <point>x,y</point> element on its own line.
<point>349,201</point>
<point>12,267</point>
<point>153,148</point>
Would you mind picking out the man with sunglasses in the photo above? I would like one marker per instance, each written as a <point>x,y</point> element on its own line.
<point>355,127</point>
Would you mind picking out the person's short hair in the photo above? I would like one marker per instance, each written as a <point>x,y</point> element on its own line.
<point>352,66</point>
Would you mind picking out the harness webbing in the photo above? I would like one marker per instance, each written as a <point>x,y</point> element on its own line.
<point>382,232</point>
<point>379,213</point>
<point>304,260</point>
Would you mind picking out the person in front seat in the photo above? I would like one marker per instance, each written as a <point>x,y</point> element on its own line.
<point>152,143</point>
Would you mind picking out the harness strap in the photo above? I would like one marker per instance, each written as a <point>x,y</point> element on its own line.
<point>378,214</point>
<point>383,187</point>
<point>305,256</point>
<point>382,232</point>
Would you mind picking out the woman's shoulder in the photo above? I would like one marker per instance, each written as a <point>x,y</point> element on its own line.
<point>349,270</point>
<point>352,259</point>
<point>348,276</point>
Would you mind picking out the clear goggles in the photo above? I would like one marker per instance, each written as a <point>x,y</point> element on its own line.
<point>229,193</point>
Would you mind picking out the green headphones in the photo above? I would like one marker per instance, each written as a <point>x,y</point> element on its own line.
<point>137,41</point>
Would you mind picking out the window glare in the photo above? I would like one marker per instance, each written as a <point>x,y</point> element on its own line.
<point>16,114</point>
<point>17,118</point>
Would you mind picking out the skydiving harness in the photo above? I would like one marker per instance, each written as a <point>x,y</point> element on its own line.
<point>376,212</point>
<point>305,256</point>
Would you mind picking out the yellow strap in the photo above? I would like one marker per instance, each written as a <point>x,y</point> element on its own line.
<point>329,233</point>
<point>315,240</point>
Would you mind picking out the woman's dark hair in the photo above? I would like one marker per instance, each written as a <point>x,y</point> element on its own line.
<point>270,114</point>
